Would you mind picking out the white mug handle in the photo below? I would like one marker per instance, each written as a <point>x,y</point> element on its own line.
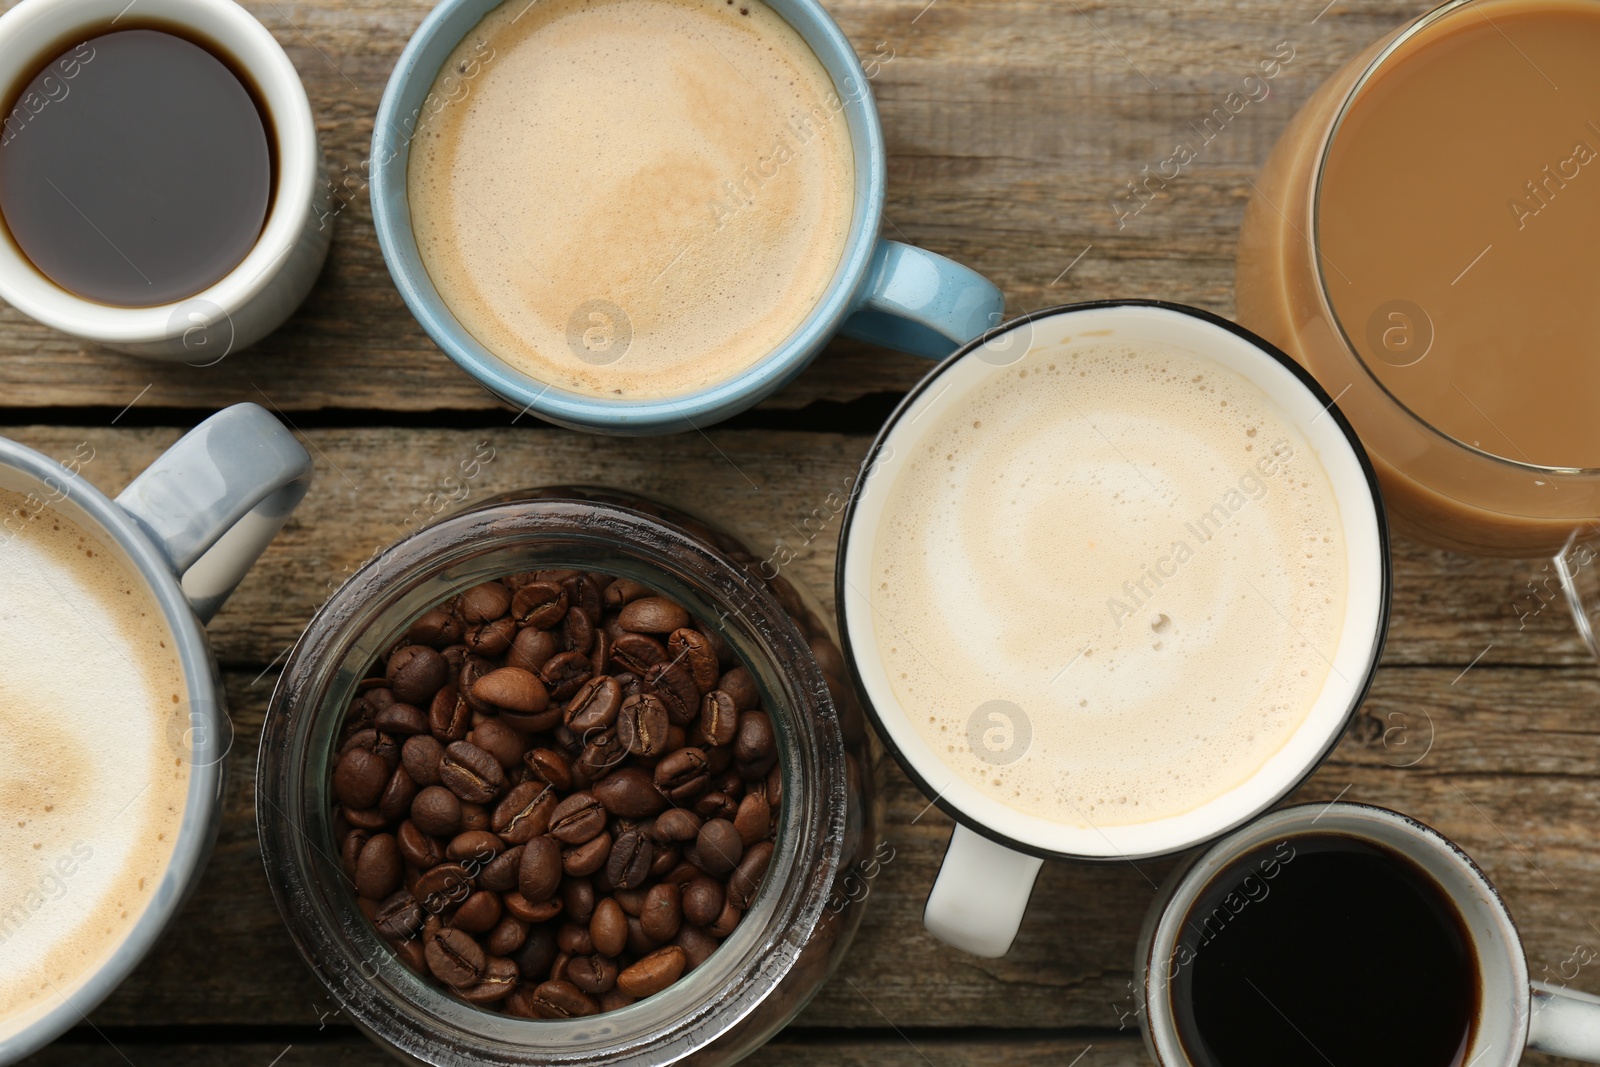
<point>1565,1023</point>
<point>982,890</point>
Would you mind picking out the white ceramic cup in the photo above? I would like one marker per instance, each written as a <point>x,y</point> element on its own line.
<point>1513,1014</point>
<point>996,850</point>
<point>265,288</point>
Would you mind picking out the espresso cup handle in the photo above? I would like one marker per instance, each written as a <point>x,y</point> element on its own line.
<point>213,501</point>
<point>922,303</point>
<point>1565,1023</point>
<point>982,890</point>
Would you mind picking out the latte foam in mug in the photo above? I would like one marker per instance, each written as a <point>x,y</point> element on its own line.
<point>94,766</point>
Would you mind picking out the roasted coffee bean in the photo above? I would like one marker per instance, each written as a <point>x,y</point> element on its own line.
<point>500,977</point>
<point>636,653</point>
<point>397,796</point>
<point>522,908</point>
<point>565,673</point>
<point>537,953</point>
<point>548,765</point>
<point>363,818</point>
<point>629,863</point>
<point>653,973</point>
<point>359,778</point>
<point>663,911</point>
<point>524,813</point>
<point>399,917</point>
<point>437,811</point>
<point>652,615</point>
<point>442,887</point>
<point>540,874</point>
<point>718,847</point>
<point>719,719</point>
<point>500,741</point>
<point>480,846</point>
<point>583,593</point>
<point>473,669</point>
<point>775,787</point>
<point>753,819</point>
<point>676,824</point>
<point>415,673</point>
<point>502,874</point>
<point>623,591</point>
<point>578,818</point>
<point>573,939</point>
<point>540,605</point>
<point>519,1003</point>
<point>455,958</point>
<point>484,603</point>
<point>512,689</point>
<point>600,754</point>
<point>675,688</point>
<point>697,945</point>
<point>507,936</point>
<point>561,1000</point>
<point>631,901</point>
<point>594,707</point>
<point>474,816</point>
<point>577,631</point>
<point>682,776</point>
<point>639,942</point>
<point>402,719</point>
<point>726,921</point>
<point>608,927</point>
<point>754,745</point>
<point>746,877</point>
<point>715,806</point>
<point>478,913</point>
<point>437,629</point>
<point>592,973</point>
<point>588,857</point>
<point>416,847</point>
<point>577,894</point>
<point>449,717</point>
<point>642,725</point>
<point>739,685</point>
<point>491,638</point>
<point>690,649</point>
<point>531,649</point>
<point>667,858</point>
<point>600,652</point>
<point>350,850</point>
<point>629,792</point>
<point>471,773</point>
<point>702,900</point>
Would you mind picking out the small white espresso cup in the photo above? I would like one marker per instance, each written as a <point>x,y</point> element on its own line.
<point>274,277</point>
<point>1513,1014</point>
<point>996,850</point>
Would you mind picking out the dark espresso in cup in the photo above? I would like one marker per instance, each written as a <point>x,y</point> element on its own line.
<point>1324,948</point>
<point>136,167</point>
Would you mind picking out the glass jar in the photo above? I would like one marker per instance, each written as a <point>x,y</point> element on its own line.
<point>803,917</point>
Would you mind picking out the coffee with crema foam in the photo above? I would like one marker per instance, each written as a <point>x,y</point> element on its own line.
<point>1108,583</point>
<point>93,772</point>
<point>631,198</point>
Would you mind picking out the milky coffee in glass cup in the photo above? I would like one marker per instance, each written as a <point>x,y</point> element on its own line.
<point>1116,580</point>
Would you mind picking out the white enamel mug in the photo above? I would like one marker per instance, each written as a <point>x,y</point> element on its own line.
<point>261,292</point>
<point>1514,1014</point>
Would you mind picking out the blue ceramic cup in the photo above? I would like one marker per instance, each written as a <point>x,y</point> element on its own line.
<point>882,291</point>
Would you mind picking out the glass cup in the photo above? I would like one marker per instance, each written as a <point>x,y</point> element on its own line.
<point>1441,490</point>
<point>802,920</point>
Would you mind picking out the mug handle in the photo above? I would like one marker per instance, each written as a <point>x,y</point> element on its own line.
<point>977,900</point>
<point>1565,1023</point>
<point>215,499</point>
<point>922,303</point>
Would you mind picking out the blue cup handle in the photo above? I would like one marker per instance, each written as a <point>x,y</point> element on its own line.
<point>922,303</point>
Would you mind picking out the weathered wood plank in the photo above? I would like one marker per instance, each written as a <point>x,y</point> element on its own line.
<point>374,485</point>
<point>1509,774</point>
<point>1008,130</point>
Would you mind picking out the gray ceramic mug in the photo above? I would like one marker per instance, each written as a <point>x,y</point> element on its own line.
<point>190,526</point>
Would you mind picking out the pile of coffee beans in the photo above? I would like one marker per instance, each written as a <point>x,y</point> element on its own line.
<point>558,794</point>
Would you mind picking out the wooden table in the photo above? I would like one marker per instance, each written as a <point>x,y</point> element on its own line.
<point>1011,124</point>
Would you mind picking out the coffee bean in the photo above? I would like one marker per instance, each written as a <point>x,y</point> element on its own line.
<point>507,936</point>
<point>512,689</point>
<point>437,629</point>
<point>629,792</point>
<point>739,685</point>
<point>690,649</point>
<point>753,819</point>
<point>478,913</point>
<point>531,650</point>
<point>455,958</point>
<point>538,951</point>
<point>359,778</point>
<point>378,867</point>
<point>653,973</point>
<point>524,813</point>
<point>561,1000</point>
<point>726,921</point>
<point>663,911</point>
<point>449,717</point>
<point>397,796</point>
<point>629,863</point>
<point>702,900</point>
<point>623,591</point>
<point>480,846</point>
<point>491,638</point>
<point>471,773</point>
<point>636,653</point>
<point>415,673</point>
<point>719,718</point>
<point>540,605</point>
<point>577,631</point>
<point>608,927</point>
<point>652,615</point>
<point>484,603</point>
<point>682,776</point>
<point>697,945</point>
<point>442,887</point>
<point>474,816</point>
<point>746,878</point>
<point>565,673</point>
<point>522,908</point>
<point>577,894</point>
<point>550,766</point>
<point>676,824</point>
<point>754,741</point>
<point>573,939</point>
<point>713,805</point>
<point>595,705</point>
<point>400,719</point>
<point>500,978</point>
<point>642,725</point>
<point>473,669</point>
<point>399,917</point>
<point>501,874</point>
<point>578,818</point>
<point>600,754</point>
<point>587,858</point>
<point>719,847</point>
<point>593,973</point>
<point>540,874</point>
<point>350,849</point>
<point>437,811</point>
<point>500,741</point>
<point>416,847</point>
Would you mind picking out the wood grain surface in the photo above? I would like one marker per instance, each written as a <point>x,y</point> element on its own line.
<point>1011,127</point>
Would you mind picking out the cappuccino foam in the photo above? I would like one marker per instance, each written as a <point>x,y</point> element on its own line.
<point>1108,582</point>
<point>93,780</point>
<point>632,198</point>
